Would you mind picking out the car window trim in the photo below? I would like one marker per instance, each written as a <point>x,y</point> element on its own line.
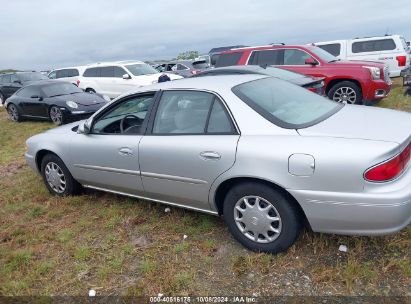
<point>288,65</point>
<point>278,122</point>
<point>234,127</point>
<point>110,107</point>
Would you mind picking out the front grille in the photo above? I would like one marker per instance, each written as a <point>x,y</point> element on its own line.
<point>387,78</point>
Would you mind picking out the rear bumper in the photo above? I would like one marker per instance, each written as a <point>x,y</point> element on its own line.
<point>356,213</point>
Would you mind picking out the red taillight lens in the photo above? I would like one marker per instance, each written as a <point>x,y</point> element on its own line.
<point>402,60</point>
<point>390,169</point>
<point>78,82</point>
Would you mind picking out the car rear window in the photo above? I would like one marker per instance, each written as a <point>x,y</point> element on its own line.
<point>333,48</point>
<point>228,59</point>
<point>373,46</point>
<point>285,104</point>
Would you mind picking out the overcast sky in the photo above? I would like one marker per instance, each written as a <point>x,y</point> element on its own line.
<point>45,34</point>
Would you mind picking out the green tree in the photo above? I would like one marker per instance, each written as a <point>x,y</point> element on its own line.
<point>188,55</point>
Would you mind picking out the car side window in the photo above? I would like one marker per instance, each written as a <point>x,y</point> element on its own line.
<point>107,71</point>
<point>333,48</point>
<point>127,117</point>
<point>267,57</point>
<point>190,112</point>
<point>295,57</point>
<point>13,78</point>
<point>181,67</point>
<point>119,72</point>
<point>92,72</point>
<point>52,75</point>
<point>29,92</point>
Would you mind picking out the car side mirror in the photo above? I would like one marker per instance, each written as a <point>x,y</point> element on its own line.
<point>310,61</point>
<point>40,98</point>
<point>126,76</point>
<point>84,127</point>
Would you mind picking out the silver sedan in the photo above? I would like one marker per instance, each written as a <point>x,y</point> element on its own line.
<point>267,155</point>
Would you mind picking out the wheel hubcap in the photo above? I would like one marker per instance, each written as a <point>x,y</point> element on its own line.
<point>345,95</point>
<point>56,115</point>
<point>55,177</point>
<point>257,219</point>
<point>13,112</point>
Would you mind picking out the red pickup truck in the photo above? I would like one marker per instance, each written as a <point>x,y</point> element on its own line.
<point>354,82</point>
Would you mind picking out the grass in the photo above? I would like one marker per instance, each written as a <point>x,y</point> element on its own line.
<point>121,246</point>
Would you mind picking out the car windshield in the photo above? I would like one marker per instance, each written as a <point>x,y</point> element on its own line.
<point>141,69</point>
<point>324,55</point>
<point>32,76</point>
<point>284,104</point>
<point>59,89</point>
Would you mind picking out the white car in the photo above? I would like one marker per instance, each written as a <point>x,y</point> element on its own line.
<point>71,74</point>
<point>115,78</point>
<point>391,50</point>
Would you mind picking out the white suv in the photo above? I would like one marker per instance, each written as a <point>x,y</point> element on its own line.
<point>115,78</point>
<point>71,74</point>
<point>391,50</point>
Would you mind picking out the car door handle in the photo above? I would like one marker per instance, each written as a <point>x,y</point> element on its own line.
<point>125,151</point>
<point>210,155</point>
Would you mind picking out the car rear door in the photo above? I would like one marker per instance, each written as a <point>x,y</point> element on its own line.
<point>191,140</point>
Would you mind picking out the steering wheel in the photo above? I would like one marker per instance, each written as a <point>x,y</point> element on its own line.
<point>124,119</point>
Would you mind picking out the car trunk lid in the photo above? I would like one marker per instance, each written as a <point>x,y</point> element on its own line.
<point>361,122</point>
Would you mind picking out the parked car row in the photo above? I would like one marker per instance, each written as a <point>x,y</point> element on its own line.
<point>184,68</point>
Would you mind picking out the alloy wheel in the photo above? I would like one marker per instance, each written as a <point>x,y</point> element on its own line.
<point>56,115</point>
<point>257,219</point>
<point>13,112</point>
<point>55,177</point>
<point>345,95</point>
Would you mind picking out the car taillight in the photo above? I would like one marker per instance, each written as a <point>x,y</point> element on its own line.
<point>402,60</point>
<point>78,82</point>
<point>194,72</point>
<point>389,169</point>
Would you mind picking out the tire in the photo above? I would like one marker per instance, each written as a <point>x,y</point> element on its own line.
<point>91,91</point>
<point>57,177</point>
<point>14,112</point>
<point>2,99</point>
<point>56,116</point>
<point>288,224</point>
<point>346,92</point>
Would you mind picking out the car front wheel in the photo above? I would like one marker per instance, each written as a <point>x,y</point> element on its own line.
<point>56,115</point>
<point>346,92</point>
<point>57,177</point>
<point>261,218</point>
<point>14,113</point>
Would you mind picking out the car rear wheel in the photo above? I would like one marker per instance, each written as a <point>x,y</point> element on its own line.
<point>57,177</point>
<point>56,115</point>
<point>261,217</point>
<point>346,92</point>
<point>13,112</point>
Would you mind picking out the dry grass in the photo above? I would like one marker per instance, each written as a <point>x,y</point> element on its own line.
<point>120,246</point>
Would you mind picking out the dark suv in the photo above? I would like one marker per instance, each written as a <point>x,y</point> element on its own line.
<point>11,82</point>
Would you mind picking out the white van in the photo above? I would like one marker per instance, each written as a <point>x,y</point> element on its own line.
<point>391,50</point>
<point>115,78</point>
<point>71,74</point>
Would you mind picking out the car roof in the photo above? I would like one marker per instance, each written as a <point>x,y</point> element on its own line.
<point>121,62</point>
<point>216,83</point>
<point>268,47</point>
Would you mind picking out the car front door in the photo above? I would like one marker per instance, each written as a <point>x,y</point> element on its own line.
<point>32,102</point>
<point>108,157</point>
<point>189,143</point>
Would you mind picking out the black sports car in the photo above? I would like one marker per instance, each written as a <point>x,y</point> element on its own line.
<point>314,84</point>
<point>57,101</point>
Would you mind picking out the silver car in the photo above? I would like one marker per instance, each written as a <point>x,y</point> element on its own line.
<point>266,154</point>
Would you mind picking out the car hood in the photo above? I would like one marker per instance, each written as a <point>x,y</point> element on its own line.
<point>84,99</point>
<point>355,63</point>
<point>362,122</point>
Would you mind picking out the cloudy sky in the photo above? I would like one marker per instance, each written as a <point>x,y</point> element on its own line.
<point>45,34</point>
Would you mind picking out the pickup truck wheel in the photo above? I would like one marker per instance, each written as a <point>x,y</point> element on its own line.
<point>346,92</point>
